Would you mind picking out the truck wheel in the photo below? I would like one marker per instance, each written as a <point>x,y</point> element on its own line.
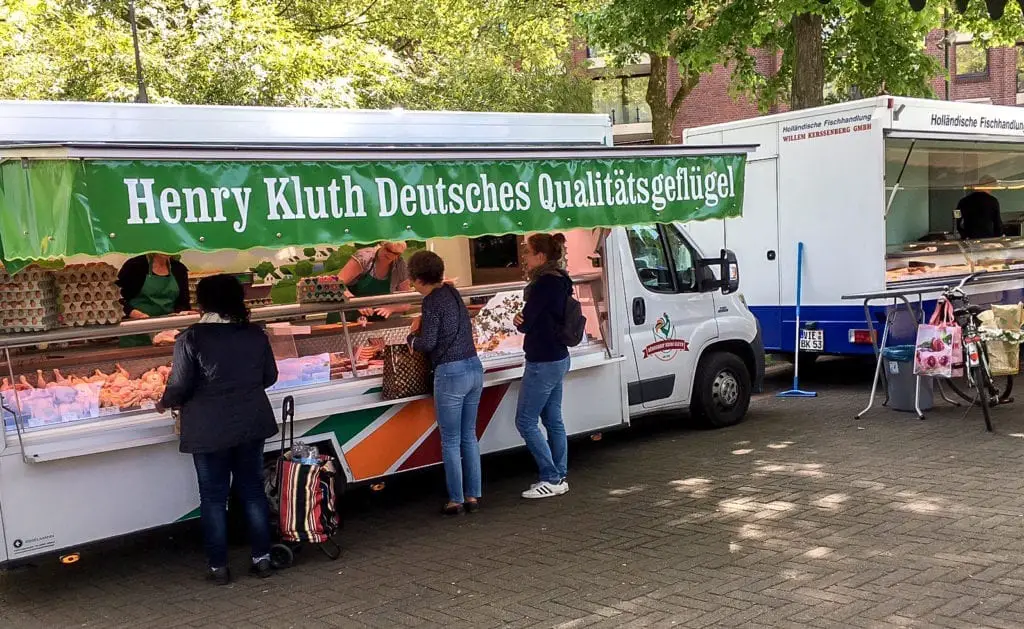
<point>721,392</point>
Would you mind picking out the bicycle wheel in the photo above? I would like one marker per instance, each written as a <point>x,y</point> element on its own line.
<point>981,384</point>
<point>1003,392</point>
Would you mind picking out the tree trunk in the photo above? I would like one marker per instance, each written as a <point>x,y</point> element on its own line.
<point>662,116</point>
<point>808,89</point>
<point>665,104</point>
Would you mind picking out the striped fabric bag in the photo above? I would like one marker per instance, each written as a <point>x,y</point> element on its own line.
<point>308,506</point>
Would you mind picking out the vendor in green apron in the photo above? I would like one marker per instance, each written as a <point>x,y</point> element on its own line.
<point>152,286</point>
<point>374,271</point>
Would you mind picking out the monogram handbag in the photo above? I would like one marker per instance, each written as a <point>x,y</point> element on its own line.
<point>407,373</point>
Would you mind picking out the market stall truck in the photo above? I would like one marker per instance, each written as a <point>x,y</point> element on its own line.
<point>667,328</point>
<point>871,188</point>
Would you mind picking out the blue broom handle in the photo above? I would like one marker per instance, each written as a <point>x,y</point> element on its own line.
<point>799,296</point>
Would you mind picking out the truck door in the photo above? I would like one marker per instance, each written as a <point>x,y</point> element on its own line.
<point>669,319</point>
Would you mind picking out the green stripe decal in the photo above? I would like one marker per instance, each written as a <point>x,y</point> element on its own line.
<point>348,425</point>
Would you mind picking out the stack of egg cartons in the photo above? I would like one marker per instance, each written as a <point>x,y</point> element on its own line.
<point>88,295</point>
<point>28,301</point>
<point>325,288</point>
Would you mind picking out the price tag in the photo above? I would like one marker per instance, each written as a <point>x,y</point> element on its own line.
<point>107,411</point>
<point>147,405</point>
<point>71,416</point>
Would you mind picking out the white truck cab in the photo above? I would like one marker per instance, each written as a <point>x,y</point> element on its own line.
<point>693,341</point>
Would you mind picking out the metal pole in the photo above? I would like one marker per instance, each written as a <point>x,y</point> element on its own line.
<point>142,97</point>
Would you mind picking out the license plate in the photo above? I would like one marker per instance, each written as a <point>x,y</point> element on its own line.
<point>812,340</point>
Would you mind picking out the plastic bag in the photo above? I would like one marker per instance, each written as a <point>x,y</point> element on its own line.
<point>933,355</point>
<point>939,348</point>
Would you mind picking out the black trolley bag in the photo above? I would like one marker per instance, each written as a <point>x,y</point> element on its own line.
<point>303,497</point>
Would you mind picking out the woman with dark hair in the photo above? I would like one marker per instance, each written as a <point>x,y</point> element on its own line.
<point>152,285</point>
<point>547,363</point>
<point>222,368</point>
<point>445,333</point>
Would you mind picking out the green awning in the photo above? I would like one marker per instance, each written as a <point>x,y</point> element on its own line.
<point>55,208</point>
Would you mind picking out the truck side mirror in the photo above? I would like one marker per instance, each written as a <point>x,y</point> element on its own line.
<point>728,279</point>
<point>730,273</point>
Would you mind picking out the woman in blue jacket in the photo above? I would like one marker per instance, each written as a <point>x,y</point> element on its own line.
<point>547,363</point>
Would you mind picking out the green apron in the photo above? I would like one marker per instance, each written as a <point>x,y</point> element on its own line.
<point>157,298</point>
<point>366,286</point>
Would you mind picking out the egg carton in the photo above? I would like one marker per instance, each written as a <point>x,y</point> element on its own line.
<point>84,273</point>
<point>30,286</point>
<point>93,317</point>
<point>90,306</point>
<point>11,312</point>
<point>320,289</point>
<point>34,323</point>
<point>89,294</point>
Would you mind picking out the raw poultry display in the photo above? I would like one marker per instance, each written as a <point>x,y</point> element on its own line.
<point>117,389</point>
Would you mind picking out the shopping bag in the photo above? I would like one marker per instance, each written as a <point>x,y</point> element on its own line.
<point>308,501</point>
<point>1003,356</point>
<point>407,373</point>
<point>943,317</point>
<point>933,353</point>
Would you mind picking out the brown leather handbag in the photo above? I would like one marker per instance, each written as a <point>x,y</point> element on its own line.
<point>407,373</point>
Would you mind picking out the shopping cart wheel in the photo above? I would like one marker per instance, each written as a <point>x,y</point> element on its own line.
<point>281,556</point>
<point>330,548</point>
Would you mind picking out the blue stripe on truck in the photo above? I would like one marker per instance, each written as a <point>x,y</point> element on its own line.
<point>777,323</point>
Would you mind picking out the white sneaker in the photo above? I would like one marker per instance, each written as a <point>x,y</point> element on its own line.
<point>546,490</point>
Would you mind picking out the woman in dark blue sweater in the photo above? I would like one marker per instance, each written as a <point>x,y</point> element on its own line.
<point>547,363</point>
<point>445,333</point>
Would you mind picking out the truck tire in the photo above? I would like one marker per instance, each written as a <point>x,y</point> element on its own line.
<point>721,390</point>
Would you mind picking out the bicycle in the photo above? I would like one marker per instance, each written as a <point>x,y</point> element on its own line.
<point>975,350</point>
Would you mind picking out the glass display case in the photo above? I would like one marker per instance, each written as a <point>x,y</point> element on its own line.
<point>73,377</point>
<point>917,261</point>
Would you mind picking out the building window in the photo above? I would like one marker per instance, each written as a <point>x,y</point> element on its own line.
<point>1020,69</point>
<point>624,98</point>
<point>971,61</point>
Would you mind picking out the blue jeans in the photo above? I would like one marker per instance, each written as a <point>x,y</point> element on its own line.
<point>457,390</point>
<point>540,397</point>
<point>215,471</point>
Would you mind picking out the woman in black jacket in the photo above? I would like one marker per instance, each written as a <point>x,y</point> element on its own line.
<point>222,368</point>
<point>547,363</point>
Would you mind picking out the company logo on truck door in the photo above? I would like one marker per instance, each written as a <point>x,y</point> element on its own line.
<point>665,345</point>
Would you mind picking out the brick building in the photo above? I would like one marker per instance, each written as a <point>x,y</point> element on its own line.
<point>993,76</point>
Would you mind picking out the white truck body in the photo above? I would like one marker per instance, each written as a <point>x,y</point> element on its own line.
<point>859,183</point>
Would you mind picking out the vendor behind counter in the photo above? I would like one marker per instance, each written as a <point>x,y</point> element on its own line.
<point>372,272</point>
<point>153,285</point>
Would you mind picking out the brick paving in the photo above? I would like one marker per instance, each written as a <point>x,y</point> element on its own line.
<point>799,517</point>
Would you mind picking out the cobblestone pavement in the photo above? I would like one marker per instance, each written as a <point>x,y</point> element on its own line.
<point>799,517</point>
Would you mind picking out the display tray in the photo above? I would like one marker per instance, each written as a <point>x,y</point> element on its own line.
<point>146,427</point>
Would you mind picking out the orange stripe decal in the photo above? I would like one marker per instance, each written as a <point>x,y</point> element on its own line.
<point>381,449</point>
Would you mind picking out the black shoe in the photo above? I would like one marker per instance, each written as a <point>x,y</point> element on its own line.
<point>450,508</point>
<point>220,576</point>
<point>472,506</point>
<point>262,568</point>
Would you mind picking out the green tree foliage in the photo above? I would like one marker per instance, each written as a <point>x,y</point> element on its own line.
<point>865,50</point>
<point>494,54</point>
<point>688,31</point>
